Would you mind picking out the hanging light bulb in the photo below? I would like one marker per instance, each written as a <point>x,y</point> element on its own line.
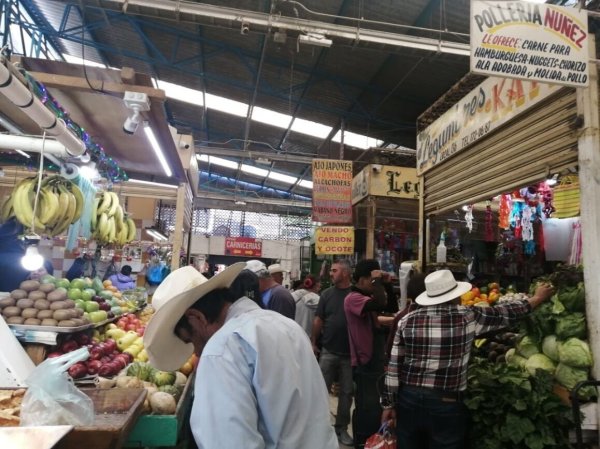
<point>32,260</point>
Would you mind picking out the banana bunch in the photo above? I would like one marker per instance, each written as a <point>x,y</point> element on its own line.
<point>109,223</point>
<point>60,204</point>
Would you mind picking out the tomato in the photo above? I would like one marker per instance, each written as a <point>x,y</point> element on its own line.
<point>475,292</point>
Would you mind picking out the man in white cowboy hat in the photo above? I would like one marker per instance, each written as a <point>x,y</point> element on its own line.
<point>276,271</point>
<point>258,384</point>
<point>428,366</point>
<point>274,295</point>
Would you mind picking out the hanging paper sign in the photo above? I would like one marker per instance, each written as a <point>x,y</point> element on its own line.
<point>243,246</point>
<point>486,108</point>
<point>334,240</point>
<point>524,40</point>
<point>332,191</point>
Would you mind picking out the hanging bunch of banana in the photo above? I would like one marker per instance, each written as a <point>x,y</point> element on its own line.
<point>60,204</point>
<point>109,223</point>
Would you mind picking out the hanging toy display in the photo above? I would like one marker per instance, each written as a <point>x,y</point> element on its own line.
<point>469,217</point>
<point>489,227</point>
<point>515,217</point>
<point>504,213</point>
<point>527,218</point>
<point>547,196</point>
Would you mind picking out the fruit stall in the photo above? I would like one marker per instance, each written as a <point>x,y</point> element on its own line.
<point>115,371</point>
<point>506,194</point>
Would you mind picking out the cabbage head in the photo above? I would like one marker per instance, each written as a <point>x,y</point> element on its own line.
<point>569,377</point>
<point>572,325</point>
<point>550,347</point>
<point>514,359</point>
<point>527,347</point>
<point>575,352</point>
<point>573,298</point>
<point>539,361</point>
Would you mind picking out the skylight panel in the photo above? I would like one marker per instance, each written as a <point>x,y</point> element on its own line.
<point>310,128</point>
<point>306,184</point>
<point>269,117</point>
<point>357,140</point>
<point>218,161</point>
<point>252,170</point>
<point>180,93</point>
<point>78,60</point>
<point>226,105</point>
<point>283,178</point>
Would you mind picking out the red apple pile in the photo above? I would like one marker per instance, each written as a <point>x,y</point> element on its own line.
<point>105,360</point>
<point>130,322</point>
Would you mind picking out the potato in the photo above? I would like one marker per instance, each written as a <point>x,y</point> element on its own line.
<point>73,313</point>
<point>66,323</point>
<point>30,312</point>
<point>15,320</point>
<point>47,288</point>
<point>43,314</point>
<point>18,294</point>
<point>79,312</point>
<point>60,315</point>
<point>32,322</point>
<point>69,303</point>
<point>11,311</point>
<point>57,295</point>
<point>25,303</point>
<point>37,295</point>
<point>58,305</point>
<point>49,322</point>
<point>78,322</point>
<point>7,302</point>
<point>29,286</point>
<point>42,304</point>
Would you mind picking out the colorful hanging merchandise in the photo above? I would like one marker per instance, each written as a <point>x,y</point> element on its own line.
<point>504,213</point>
<point>469,217</point>
<point>547,197</point>
<point>515,218</point>
<point>527,218</point>
<point>575,251</point>
<point>566,197</point>
<point>489,226</point>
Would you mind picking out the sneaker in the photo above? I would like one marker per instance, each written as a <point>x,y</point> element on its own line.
<point>345,438</point>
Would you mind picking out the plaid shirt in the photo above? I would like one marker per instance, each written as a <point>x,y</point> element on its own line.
<point>433,344</point>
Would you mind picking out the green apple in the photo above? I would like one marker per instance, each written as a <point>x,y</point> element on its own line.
<point>64,282</point>
<point>92,306</point>
<point>98,315</point>
<point>74,293</point>
<point>88,294</point>
<point>47,279</point>
<point>78,283</point>
<point>80,303</point>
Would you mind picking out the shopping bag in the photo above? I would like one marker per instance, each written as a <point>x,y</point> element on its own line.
<point>383,439</point>
<point>566,197</point>
<point>52,399</point>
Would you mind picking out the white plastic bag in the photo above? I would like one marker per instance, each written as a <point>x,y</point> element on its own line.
<point>52,399</point>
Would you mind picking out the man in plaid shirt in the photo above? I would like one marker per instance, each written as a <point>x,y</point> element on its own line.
<point>427,372</point>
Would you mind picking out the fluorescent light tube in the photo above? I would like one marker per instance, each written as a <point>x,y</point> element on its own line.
<point>158,150</point>
<point>151,183</point>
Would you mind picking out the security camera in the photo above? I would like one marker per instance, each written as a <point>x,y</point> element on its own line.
<point>376,168</point>
<point>137,102</point>
<point>132,122</point>
<point>184,145</point>
<point>245,29</point>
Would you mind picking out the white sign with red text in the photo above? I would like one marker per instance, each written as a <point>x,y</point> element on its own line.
<point>530,41</point>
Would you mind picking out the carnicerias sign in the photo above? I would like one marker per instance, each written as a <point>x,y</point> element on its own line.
<point>530,41</point>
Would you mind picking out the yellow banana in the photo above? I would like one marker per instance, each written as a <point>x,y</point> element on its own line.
<point>113,205</point>
<point>95,214</point>
<point>76,191</point>
<point>131,231</point>
<point>112,230</point>
<point>105,203</point>
<point>62,210</point>
<point>119,218</point>
<point>22,204</point>
<point>103,226</point>
<point>62,225</point>
<point>48,208</point>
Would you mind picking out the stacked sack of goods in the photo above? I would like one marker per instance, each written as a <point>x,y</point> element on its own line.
<point>554,335</point>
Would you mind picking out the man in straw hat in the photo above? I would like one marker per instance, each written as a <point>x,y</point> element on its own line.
<point>258,384</point>
<point>427,373</point>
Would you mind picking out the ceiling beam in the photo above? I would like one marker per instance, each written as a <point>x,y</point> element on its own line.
<point>263,21</point>
<point>199,201</point>
<point>255,155</point>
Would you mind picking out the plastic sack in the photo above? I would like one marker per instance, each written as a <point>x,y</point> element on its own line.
<point>156,273</point>
<point>567,197</point>
<point>52,399</point>
<point>383,439</point>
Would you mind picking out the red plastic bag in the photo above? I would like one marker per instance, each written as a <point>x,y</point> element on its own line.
<point>383,439</point>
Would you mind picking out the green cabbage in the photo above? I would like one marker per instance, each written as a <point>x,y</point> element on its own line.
<point>161,378</point>
<point>539,361</point>
<point>514,359</point>
<point>550,347</point>
<point>573,298</point>
<point>527,347</point>
<point>572,325</point>
<point>575,352</point>
<point>569,377</point>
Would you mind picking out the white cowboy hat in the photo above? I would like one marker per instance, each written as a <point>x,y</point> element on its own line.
<point>165,350</point>
<point>440,287</point>
<point>276,268</point>
<point>255,266</point>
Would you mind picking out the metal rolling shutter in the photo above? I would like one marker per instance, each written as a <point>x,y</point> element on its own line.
<point>522,152</point>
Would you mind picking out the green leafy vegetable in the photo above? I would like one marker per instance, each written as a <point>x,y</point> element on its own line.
<point>569,377</point>
<point>539,361</point>
<point>571,325</point>
<point>527,347</point>
<point>573,298</point>
<point>575,352</point>
<point>550,347</point>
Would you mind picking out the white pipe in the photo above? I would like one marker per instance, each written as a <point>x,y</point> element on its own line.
<point>22,97</point>
<point>303,26</point>
<point>33,145</point>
